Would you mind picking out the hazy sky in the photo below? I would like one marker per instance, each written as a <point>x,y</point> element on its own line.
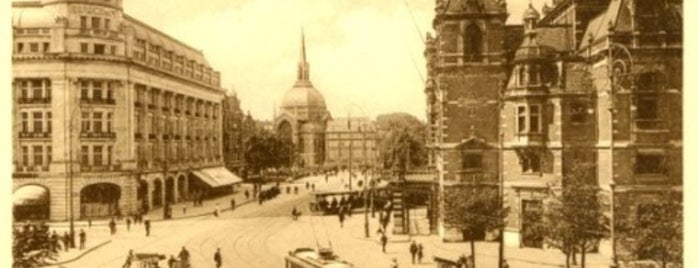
<point>365,53</point>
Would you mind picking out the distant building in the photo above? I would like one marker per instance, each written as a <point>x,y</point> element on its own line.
<point>354,138</point>
<point>543,92</point>
<point>237,129</point>
<point>131,114</point>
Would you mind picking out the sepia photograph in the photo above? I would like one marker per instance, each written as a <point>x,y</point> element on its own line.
<point>345,133</point>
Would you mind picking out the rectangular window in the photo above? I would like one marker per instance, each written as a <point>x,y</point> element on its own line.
<point>83,48</point>
<point>83,22</point>
<point>472,161</point>
<point>578,113</point>
<point>113,50</point>
<point>531,163</point>
<point>49,156</point>
<point>99,49</point>
<point>109,155</point>
<point>20,47</point>
<point>85,122</point>
<point>84,89</point>
<point>46,46</point>
<point>25,156</point>
<point>38,156</point>
<point>47,89</point>
<point>110,91</point>
<point>25,122</point>
<point>48,122</point>
<point>84,155</point>
<point>96,90</point>
<point>97,155</point>
<point>649,164</point>
<point>36,89</point>
<point>38,122</point>
<point>97,122</point>
<point>34,47</point>
<point>647,108</point>
<point>24,90</point>
<point>109,122</point>
<point>521,119</point>
<point>95,22</point>
<point>535,118</point>
<point>106,24</point>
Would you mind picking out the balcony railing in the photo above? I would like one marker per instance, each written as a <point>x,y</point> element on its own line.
<point>98,101</point>
<point>34,100</point>
<point>98,135</point>
<point>34,135</point>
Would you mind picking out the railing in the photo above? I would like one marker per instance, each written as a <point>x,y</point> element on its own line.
<point>34,100</point>
<point>98,135</point>
<point>98,101</point>
<point>34,135</point>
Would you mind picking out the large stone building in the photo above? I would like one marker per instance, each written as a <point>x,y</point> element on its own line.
<point>238,127</point>
<point>594,83</point>
<point>110,114</point>
<point>304,119</point>
<point>351,142</point>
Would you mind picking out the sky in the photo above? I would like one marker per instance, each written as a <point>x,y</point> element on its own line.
<point>365,56</point>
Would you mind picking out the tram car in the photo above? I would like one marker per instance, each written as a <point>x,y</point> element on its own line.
<point>310,258</point>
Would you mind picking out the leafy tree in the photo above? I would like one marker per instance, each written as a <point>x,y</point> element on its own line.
<point>656,232</point>
<point>402,140</point>
<point>474,211</point>
<point>32,246</point>
<point>268,151</point>
<point>574,219</point>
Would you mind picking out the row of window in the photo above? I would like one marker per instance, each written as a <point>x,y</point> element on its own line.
<point>97,91</point>
<point>40,156</point>
<point>95,23</point>
<point>96,122</point>
<point>178,102</point>
<point>155,55</point>
<point>33,47</point>
<point>100,155</point>
<point>40,122</point>
<point>33,90</point>
<point>97,49</point>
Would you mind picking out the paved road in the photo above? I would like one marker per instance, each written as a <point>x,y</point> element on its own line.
<point>251,236</point>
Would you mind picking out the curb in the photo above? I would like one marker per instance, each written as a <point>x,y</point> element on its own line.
<point>81,255</point>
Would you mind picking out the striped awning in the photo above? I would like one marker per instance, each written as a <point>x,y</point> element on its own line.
<point>217,177</point>
<point>30,195</point>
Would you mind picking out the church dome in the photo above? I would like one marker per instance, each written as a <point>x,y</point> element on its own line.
<point>303,95</point>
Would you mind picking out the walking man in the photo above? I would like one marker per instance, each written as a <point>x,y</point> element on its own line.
<point>146,223</point>
<point>341,215</point>
<point>232,203</point>
<point>82,239</point>
<point>384,240</point>
<point>112,226</point>
<point>247,194</point>
<point>66,241</point>
<point>128,223</point>
<point>413,251</point>
<point>129,259</point>
<point>217,258</point>
<point>216,210</point>
<point>419,253</point>
<point>184,255</point>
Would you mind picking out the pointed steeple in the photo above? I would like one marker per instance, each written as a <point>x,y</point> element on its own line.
<point>303,75</point>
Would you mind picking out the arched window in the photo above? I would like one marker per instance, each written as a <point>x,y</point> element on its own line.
<point>473,43</point>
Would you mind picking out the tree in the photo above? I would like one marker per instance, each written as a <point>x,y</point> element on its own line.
<point>402,140</point>
<point>268,151</point>
<point>32,246</point>
<point>656,232</point>
<point>476,211</point>
<point>574,219</point>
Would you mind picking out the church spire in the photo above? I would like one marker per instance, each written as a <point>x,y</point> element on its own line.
<point>303,64</point>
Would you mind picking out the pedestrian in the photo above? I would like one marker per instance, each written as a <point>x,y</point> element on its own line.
<point>112,226</point>
<point>232,203</point>
<point>216,210</point>
<point>296,190</point>
<point>341,215</point>
<point>247,194</point>
<point>217,258</point>
<point>171,262</point>
<point>419,253</point>
<point>128,223</point>
<point>54,240</point>
<point>129,259</point>
<point>394,263</point>
<point>184,255</point>
<point>146,223</point>
<point>313,187</point>
<point>384,240</point>
<point>66,241</point>
<point>89,223</point>
<point>463,261</point>
<point>184,209</point>
<point>82,238</point>
<point>413,250</point>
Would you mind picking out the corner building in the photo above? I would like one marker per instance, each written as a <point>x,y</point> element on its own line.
<point>125,115</point>
<point>594,84</point>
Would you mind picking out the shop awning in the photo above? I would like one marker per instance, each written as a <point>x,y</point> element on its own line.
<point>30,195</point>
<point>217,177</point>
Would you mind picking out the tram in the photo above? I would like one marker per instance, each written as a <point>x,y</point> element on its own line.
<point>309,258</point>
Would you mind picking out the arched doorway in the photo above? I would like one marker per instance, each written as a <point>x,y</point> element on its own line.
<point>98,200</point>
<point>142,193</point>
<point>181,187</point>
<point>169,190</point>
<point>157,194</point>
<point>31,202</point>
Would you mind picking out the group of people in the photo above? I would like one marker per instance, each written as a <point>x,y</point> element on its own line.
<point>268,194</point>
